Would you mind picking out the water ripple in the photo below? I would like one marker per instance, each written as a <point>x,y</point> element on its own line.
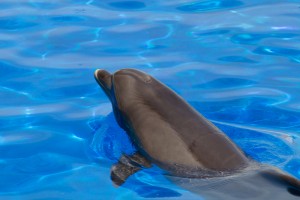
<point>277,51</point>
<point>255,38</point>
<point>209,5</point>
<point>130,5</point>
<point>17,23</point>
<point>237,62</point>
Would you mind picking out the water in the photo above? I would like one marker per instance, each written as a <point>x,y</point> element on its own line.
<point>237,62</point>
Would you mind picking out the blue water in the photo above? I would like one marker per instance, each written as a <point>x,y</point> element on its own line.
<point>236,61</point>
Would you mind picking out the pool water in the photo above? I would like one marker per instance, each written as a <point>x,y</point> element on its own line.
<point>236,61</point>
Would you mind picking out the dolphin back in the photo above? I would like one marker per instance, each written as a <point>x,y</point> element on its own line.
<point>168,131</point>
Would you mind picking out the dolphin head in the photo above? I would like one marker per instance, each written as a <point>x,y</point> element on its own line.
<point>124,84</point>
<point>125,75</point>
<point>124,88</point>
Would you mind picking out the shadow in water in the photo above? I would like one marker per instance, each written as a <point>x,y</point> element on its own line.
<point>149,191</point>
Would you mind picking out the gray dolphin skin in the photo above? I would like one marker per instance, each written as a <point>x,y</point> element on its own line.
<point>194,153</point>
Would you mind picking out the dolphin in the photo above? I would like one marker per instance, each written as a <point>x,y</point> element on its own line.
<point>193,152</point>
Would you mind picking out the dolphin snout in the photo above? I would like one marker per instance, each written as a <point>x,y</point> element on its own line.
<point>103,78</point>
<point>101,74</point>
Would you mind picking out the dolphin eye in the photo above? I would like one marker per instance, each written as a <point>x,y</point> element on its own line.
<point>147,79</point>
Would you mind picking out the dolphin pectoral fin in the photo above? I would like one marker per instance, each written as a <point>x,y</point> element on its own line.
<point>138,160</point>
<point>126,166</point>
<point>120,172</point>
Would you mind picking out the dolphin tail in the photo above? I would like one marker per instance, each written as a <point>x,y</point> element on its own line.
<point>126,166</point>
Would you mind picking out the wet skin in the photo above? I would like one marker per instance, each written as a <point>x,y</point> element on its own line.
<point>168,132</point>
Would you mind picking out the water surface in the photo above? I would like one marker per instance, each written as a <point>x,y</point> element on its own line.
<point>237,62</point>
